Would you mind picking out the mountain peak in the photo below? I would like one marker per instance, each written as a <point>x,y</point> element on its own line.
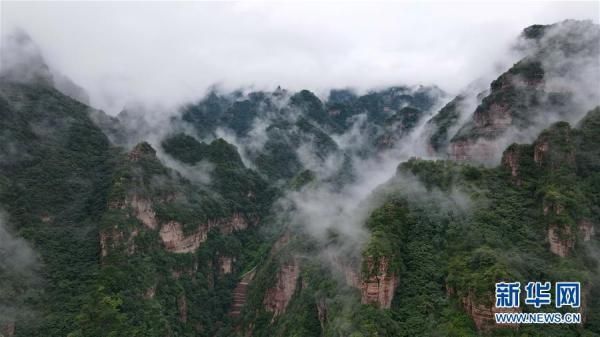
<point>21,59</point>
<point>142,150</point>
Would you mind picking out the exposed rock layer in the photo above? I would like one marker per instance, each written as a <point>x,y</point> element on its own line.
<point>380,286</point>
<point>278,297</point>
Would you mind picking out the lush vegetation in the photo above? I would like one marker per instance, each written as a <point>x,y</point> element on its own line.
<point>451,236</point>
<point>93,213</point>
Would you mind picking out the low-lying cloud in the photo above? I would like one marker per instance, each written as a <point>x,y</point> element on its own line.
<point>19,265</point>
<point>167,53</point>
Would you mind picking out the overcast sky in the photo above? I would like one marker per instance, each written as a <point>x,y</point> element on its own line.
<point>168,53</point>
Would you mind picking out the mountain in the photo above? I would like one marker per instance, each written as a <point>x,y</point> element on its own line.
<point>555,80</point>
<point>288,214</point>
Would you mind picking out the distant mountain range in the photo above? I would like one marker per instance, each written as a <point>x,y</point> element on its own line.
<point>387,213</point>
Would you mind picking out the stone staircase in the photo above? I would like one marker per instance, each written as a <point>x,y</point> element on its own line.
<point>240,293</point>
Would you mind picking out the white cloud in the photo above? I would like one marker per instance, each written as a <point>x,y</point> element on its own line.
<point>166,53</point>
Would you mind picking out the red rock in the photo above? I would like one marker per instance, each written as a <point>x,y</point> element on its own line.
<point>587,230</point>
<point>182,307</point>
<point>7,329</point>
<point>380,286</point>
<point>483,314</point>
<point>278,297</point>
<point>561,239</point>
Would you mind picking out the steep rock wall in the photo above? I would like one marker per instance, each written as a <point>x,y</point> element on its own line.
<point>176,241</point>
<point>561,239</point>
<point>278,297</point>
<point>483,314</point>
<point>379,287</point>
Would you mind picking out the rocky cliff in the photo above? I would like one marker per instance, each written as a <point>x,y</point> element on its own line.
<point>278,297</point>
<point>518,99</point>
<point>379,286</point>
<point>483,314</point>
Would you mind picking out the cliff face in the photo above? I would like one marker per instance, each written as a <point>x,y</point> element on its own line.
<point>278,297</point>
<point>483,314</point>
<point>155,213</point>
<point>519,99</point>
<point>511,160</point>
<point>501,109</point>
<point>559,233</point>
<point>379,287</point>
<point>143,210</point>
<point>176,241</point>
<point>555,147</point>
<point>586,229</point>
<point>225,264</point>
<point>472,150</point>
<point>496,118</point>
<point>8,329</point>
<point>142,204</point>
<point>561,239</point>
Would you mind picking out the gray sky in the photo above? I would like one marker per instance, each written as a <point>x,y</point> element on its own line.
<point>163,53</point>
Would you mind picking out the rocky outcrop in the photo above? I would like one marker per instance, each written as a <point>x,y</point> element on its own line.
<point>322,312</point>
<point>511,159</point>
<point>182,308</point>
<point>225,264</point>
<point>150,292</point>
<point>469,150</point>
<point>560,236</point>
<point>495,119</point>
<point>561,239</point>
<point>109,240</point>
<point>483,314</point>
<point>379,287</point>
<point>176,241</point>
<point>460,150</point>
<point>377,284</point>
<point>142,208</point>
<point>236,222</point>
<point>141,150</point>
<point>586,229</point>
<point>171,233</point>
<point>278,297</point>
<point>555,147</point>
<point>539,149</point>
<point>7,329</point>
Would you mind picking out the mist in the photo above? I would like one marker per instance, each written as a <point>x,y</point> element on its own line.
<point>164,54</point>
<point>19,265</point>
